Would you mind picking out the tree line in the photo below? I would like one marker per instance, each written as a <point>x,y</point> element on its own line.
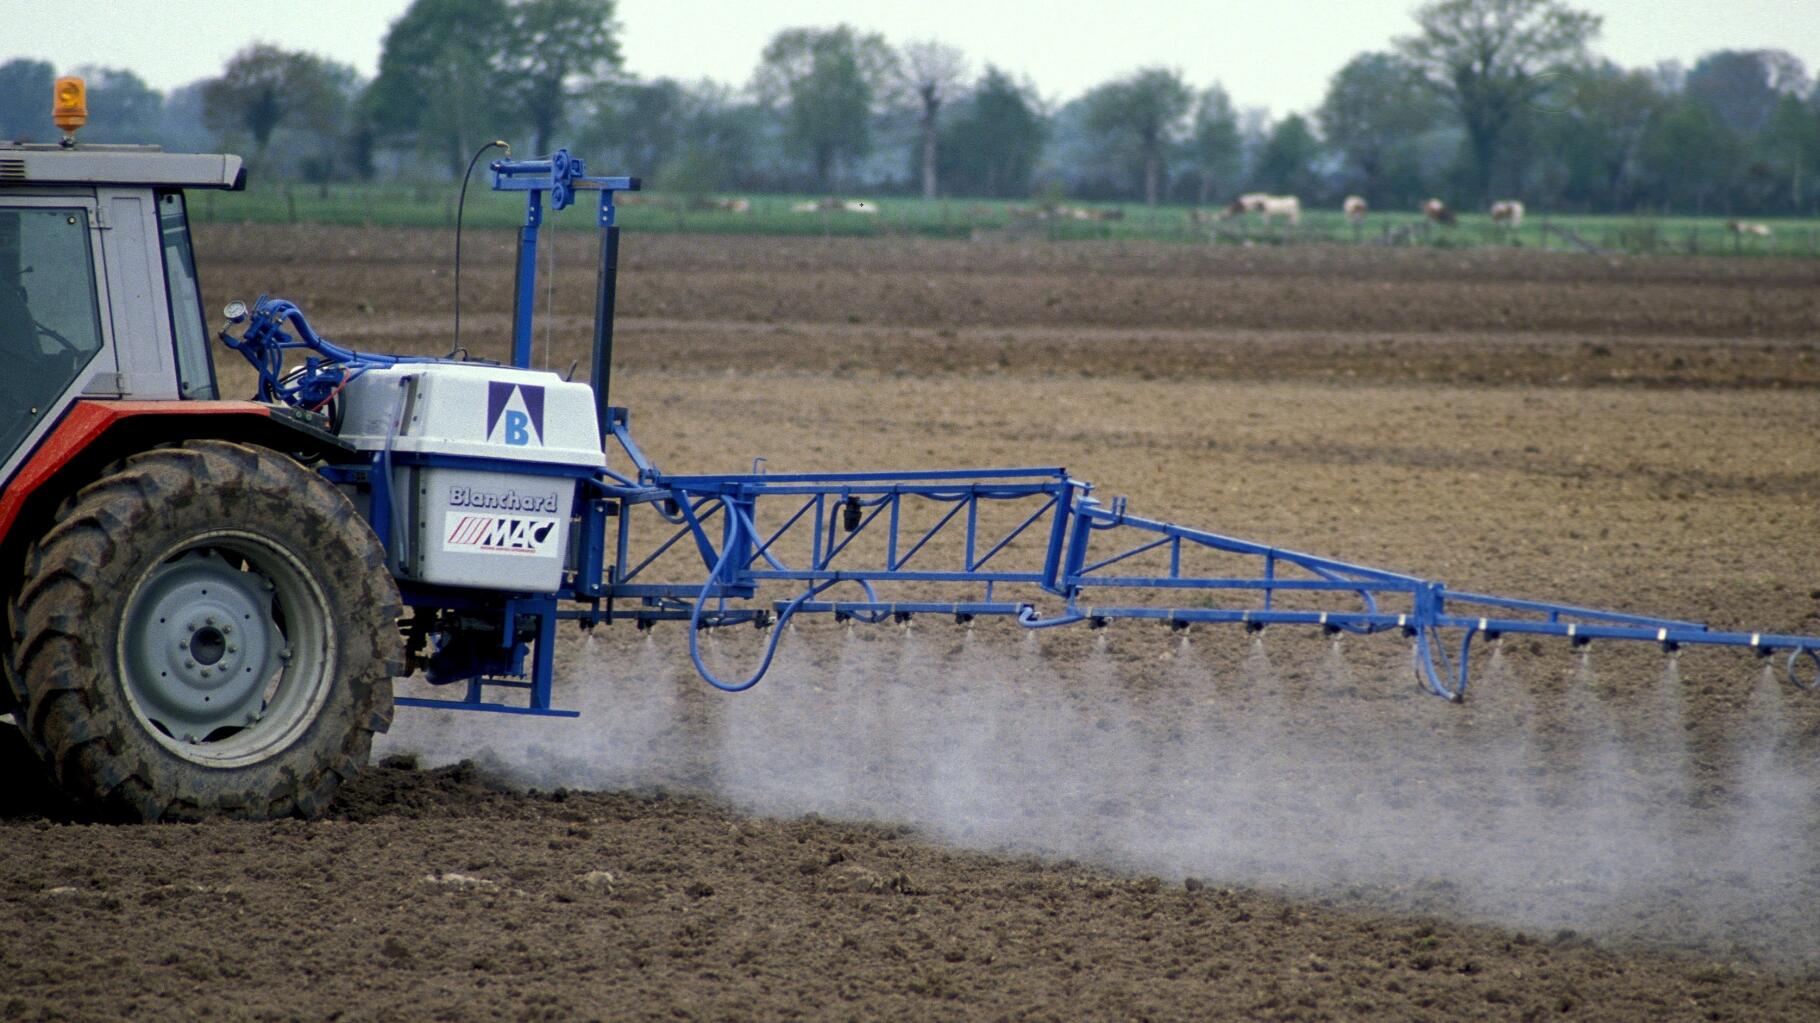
<point>1481,99</point>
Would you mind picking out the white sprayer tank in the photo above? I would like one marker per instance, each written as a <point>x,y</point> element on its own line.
<point>490,525</point>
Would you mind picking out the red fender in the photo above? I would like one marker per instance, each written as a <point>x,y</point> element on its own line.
<point>86,422</point>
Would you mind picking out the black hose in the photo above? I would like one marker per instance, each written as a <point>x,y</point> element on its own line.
<point>461,206</point>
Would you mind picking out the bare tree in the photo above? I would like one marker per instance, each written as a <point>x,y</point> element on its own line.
<point>933,71</point>
<point>1376,107</point>
<point>1145,109</point>
<point>1215,143</point>
<point>1742,87</point>
<point>439,76</point>
<point>1485,57</point>
<point>263,87</point>
<point>553,50</point>
<point>826,81</point>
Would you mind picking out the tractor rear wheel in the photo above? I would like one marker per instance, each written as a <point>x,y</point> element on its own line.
<point>208,630</point>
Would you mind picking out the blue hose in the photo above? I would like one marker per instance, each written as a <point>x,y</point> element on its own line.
<point>742,529</point>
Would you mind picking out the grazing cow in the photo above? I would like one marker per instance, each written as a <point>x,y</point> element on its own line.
<point>1355,209</point>
<point>1267,206</point>
<point>1084,213</point>
<point>1742,227</point>
<point>1287,206</point>
<point>1058,212</point>
<point>1507,212</point>
<point>1250,202</point>
<point>723,205</point>
<point>1437,211</point>
<point>836,206</point>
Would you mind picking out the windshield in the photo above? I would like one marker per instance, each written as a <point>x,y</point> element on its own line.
<point>195,366</point>
<point>49,325</point>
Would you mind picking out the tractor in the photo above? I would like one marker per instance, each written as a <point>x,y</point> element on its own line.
<point>209,600</point>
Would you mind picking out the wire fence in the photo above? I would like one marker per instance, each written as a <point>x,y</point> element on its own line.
<point>426,206</point>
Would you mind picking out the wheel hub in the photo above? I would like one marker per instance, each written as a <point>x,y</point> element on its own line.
<point>201,644</point>
<point>208,645</point>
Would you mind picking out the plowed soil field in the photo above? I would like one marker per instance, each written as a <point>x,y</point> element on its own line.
<point>950,824</point>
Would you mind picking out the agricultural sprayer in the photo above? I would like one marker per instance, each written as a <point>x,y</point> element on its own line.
<point>211,598</point>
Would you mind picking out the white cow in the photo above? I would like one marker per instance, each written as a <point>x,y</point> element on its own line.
<point>1355,209</point>
<point>1508,212</point>
<point>1759,230</point>
<point>1438,211</point>
<point>836,206</point>
<point>1267,206</point>
<point>723,205</point>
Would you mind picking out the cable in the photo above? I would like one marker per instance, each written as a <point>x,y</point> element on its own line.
<point>461,206</point>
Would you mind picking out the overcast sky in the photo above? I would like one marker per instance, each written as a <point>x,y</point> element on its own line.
<point>1277,55</point>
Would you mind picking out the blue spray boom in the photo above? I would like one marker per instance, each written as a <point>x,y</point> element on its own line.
<point>963,543</point>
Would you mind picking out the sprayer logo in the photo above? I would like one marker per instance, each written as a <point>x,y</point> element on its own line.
<point>514,414</point>
<point>471,533</point>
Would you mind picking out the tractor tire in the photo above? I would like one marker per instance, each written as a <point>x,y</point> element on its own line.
<point>208,630</point>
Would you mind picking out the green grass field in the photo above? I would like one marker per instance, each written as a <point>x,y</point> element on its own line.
<point>393,205</point>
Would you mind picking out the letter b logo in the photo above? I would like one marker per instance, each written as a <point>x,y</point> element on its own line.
<point>518,428</point>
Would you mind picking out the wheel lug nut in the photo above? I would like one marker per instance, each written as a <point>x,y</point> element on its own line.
<point>205,673</point>
<point>233,649</point>
<point>189,664</point>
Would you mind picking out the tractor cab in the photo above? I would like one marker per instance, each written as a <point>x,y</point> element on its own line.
<point>98,291</point>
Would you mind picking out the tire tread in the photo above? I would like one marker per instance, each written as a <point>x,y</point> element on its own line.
<point>59,661</point>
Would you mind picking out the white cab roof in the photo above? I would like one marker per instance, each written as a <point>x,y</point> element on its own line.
<point>34,164</point>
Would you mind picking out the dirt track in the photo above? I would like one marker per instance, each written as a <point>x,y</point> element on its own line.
<point>1639,434</point>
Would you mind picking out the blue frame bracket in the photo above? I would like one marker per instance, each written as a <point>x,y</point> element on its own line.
<point>559,176</point>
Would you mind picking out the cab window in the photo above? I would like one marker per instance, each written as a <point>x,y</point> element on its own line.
<point>50,326</point>
<point>195,367</point>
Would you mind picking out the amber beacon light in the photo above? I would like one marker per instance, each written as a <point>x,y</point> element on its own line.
<point>70,109</point>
